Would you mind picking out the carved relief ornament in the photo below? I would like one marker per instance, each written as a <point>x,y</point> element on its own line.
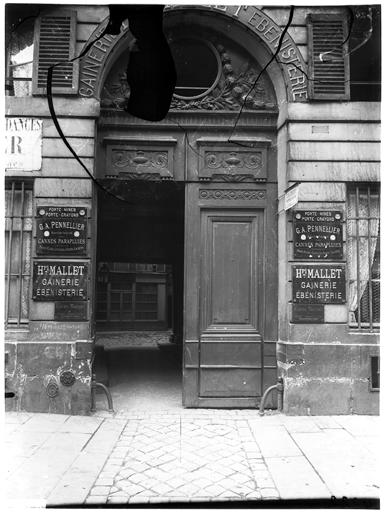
<point>235,166</point>
<point>143,164</point>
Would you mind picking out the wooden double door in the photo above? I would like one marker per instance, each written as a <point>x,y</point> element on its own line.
<point>230,303</point>
<point>227,228</point>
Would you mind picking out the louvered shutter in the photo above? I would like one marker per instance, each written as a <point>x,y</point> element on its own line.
<point>55,38</point>
<point>328,57</point>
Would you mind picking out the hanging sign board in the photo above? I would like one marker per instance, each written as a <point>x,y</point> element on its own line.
<point>54,281</point>
<point>318,234</point>
<point>319,284</point>
<point>308,313</point>
<point>61,230</point>
<point>291,196</point>
<point>23,139</point>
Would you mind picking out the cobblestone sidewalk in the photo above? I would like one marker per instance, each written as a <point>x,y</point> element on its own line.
<point>189,456</point>
<point>170,458</point>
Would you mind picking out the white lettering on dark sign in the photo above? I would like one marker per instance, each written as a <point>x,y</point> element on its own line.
<point>319,284</point>
<point>59,281</point>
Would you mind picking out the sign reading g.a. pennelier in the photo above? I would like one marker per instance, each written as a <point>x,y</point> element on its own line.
<point>319,284</point>
<point>61,230</point>
<point>23,136</point>
<point>53,280</point>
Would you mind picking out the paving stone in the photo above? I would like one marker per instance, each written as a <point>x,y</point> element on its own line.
<point>274,441</point>
<point>100,490</point>
<point>346,467</point>
<point>269,492</point>
<point>117,500</point>
<point>130,488</point>
<point>296,478</point>
<point>81,424</point>
<point>104,481</point>
<point>96,500</point>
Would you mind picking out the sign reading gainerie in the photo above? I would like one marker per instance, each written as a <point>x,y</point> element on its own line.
<point>23,136</point>
<point>54,280</point>
<point>61,230</point>
<point>319,284</point>
<point>318,234</point>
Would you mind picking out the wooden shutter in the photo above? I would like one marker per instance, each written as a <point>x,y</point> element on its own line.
<point>328,57</point>
<point>55,38</point>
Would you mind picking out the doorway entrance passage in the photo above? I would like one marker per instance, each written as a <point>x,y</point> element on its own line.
<point>139,294</point>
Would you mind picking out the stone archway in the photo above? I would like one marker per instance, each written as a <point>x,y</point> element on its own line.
<point>288,71</point>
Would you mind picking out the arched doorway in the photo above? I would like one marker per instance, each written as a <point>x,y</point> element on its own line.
<point>200,191</point>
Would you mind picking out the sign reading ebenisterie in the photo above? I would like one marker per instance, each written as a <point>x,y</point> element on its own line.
<point>53,280</point>
<point>319,284</point>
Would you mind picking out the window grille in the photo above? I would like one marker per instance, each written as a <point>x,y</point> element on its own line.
<point>363,256</point>
<point>18,242</point>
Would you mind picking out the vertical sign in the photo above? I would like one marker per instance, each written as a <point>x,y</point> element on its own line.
<point>23,136</point>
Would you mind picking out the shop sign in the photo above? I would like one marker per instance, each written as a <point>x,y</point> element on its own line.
<point>308,314</point>
<point>318,234</point>
<point>319,284</point>
<point>23,139</point>
<point>54,281</point>
<point>291,196</point>
<point>70,311</point>
<point>61,230</point>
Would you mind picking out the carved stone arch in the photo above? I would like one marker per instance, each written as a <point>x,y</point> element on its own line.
<point>289,82</point>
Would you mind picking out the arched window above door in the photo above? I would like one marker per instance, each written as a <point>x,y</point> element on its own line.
<point>214,74</point>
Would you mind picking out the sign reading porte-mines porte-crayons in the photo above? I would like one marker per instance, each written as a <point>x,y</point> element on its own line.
<point>318,235</point>
<point>61,230</point>
<point>319,284</point>
<point>53,281</point>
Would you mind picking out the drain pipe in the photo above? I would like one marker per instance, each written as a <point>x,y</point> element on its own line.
<point>279,388</point>
<point>94,386</point>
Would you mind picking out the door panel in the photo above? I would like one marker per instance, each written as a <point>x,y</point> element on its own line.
<point>229,270</point>
<point>225,295</point>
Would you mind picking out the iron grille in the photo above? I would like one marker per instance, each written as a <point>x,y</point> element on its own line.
<point>363,255</point>
<point>18,241</point>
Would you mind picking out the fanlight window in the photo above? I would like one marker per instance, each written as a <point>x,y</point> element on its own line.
<point>197,65</point>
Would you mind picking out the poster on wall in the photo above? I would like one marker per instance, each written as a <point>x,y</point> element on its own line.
<point>317,235</point>
<point>61,230</point>
<point>54,281</point>
<point>319,284</point>
<point>23,143</point>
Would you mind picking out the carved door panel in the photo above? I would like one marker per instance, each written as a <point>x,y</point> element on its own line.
<point>225,364</point>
